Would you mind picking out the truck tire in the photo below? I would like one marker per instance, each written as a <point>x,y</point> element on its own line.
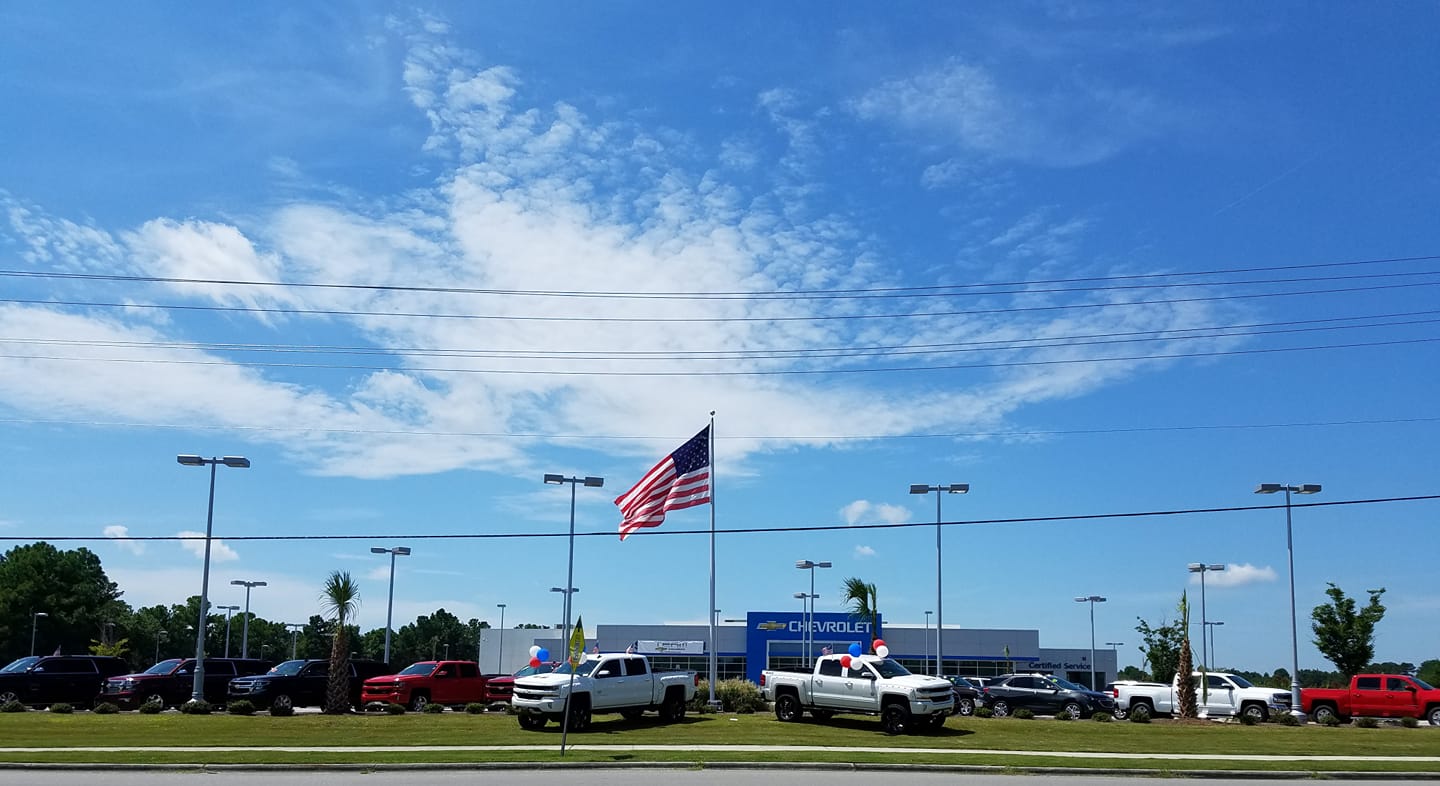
<point>153,698</point>
<point>1256,711</point>
<point>787,708</point>
<point>1322,713</point>
<point>579,716</point>
<point>283,701</point>
<point>673,709</point>
<point>1432,715</point>
<point>896,719</point>
<point>532,721</point>
<point>1001,708</point>
<point>418,701</point>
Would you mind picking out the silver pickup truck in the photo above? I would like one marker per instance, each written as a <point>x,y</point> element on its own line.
<point>620,683</point>
<point>869,685</point>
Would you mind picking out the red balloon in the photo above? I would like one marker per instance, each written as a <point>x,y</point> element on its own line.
<point>534,661</point>
<point>845,661</point>
<point>879,643</point>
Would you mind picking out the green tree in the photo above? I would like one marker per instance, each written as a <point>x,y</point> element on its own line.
<point>1390,667</point>
<point>1132,673</point>
<point>1161,648</point>
<point>1345,636</point>
<point>864,603</point>
<point>1188,705</point>
<point>70,587</point>
<point>1429,671</point>
<point>339,599</point>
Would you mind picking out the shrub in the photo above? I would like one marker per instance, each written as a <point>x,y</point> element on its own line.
<point>984,712</point>
<point>240,707</point>
<point>1140,714</point>
<point>1023,714</point>
<point>433,708</point>
<point>1101,717</point>
<point>1366,723</point>
<point>1247,720</point>
<point>475,708</point>
<point>13,706</point>
<point>103,708</point>
<point>150,707</point>
<point>395,709</point>
<point>1409,722</point>
<point>1329,720</point>
<point>196,707</point>
<point>279,711</point>
<point>1285,719</point>
<point>61,708</point>
<point>739,696</point>
<point>1063,716</point>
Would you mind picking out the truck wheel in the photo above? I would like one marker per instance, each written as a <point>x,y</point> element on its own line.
<point>1323,713</point>
<point>418,702</point>
<point>965,706</point>
<point>1432,716</point>
<point>1119,713</point>
<point>532,722</point>
<point>1001,708</point>
<point>787,708</point>
<point>1071,710</point>
<point>579,717</point>
<point>155,699</point>
<point>1256,711</point>
<point>1139,712</point>
<point>673,710</point>
<point>282,702</point>
<point>9,696</point>
<point>895,719</point>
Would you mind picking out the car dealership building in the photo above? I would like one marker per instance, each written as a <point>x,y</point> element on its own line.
<point>778,640</point>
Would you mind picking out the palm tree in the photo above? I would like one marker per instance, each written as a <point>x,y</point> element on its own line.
<point>1188,706</point>
<point>864,603</point>
<point>340,599</point>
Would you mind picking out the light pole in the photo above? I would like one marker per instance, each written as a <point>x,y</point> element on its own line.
<point>398,551</point>
<point>953,488</point>
<point>1202,568</point>
<point>927,641</point>
<point>263,647</point>
<point>160,636</point>
<point>1212,625</point>
<point>1304,488</point>
<point>189,460</point>
<point>565,625</point>
<point>294,637</point>
<point>245,627</point>
<point>588,482</point>
<point>228,611</point>
<point>500,659</point>
<point>804,598</point>
<point>810,565</point>
<point>1092,600</point>
<point>35,627</point>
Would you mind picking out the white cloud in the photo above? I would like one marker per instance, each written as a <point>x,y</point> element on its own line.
<point>219,552</point>
<point>863,552</point>
<point>1236,575</point>
<point>863,511</point>
<point>122,535</point>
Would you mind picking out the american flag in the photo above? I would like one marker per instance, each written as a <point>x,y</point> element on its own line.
<point>826,651</point>
<point>630,650</point>
<point>681,480</point>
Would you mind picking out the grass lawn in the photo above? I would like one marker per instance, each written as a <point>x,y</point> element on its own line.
<point>1170,742</point>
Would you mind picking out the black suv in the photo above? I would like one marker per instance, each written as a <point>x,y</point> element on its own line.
<point>172,682</point>
<point>44,680</point>
<point>1044,695</point>
<point>301,683</point>
<point>967,695</point>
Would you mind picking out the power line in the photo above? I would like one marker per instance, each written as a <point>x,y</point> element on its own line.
<point>737,530</point>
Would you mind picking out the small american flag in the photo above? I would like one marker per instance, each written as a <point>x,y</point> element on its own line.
<point>681,480</point>
<point>596,648</point>
<point>630,650</point>
<point>826,651</point>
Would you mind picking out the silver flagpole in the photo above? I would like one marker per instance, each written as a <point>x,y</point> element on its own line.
<point>714,659</point>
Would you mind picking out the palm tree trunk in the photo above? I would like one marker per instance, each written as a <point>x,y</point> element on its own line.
<point>337,689</point>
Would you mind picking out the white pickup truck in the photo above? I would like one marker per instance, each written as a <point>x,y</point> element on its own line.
<point>870,685</point>
<point>620,683</point>
<point>1216,693</point>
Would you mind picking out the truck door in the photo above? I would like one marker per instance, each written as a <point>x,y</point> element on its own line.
<point>859,686</point>
<point>827,686</point>
<point>607,684</point>
<point>1400,698</point>
<point>640,687</point>
<point>1219,696</point>
<point>1368,697</point>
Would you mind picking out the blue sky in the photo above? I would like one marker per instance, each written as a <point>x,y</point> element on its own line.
<point>1129,218</point>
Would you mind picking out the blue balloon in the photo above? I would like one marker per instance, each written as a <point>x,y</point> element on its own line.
<point>543,654</point>
<point>855,650</point>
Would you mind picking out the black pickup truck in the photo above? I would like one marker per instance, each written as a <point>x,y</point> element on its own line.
<point>301,683</point>
<point>44,680</point>
<point>172,682</point>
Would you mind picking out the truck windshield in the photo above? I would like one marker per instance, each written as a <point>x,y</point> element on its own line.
<point>164,666</point>
<point>1240,682</point>
<point>1422,683</point>
<point>24,664</point>
<point>423,669</point>
<point>287,669</point>
<point>544,668</point>
<point>889,668</point>
<point>583,670</point>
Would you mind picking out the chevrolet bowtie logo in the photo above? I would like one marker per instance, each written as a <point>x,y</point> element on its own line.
<point>772,625</point>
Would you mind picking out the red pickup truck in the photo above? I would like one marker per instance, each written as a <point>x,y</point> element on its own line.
<point>1374,695</point>
<point>449,682</point>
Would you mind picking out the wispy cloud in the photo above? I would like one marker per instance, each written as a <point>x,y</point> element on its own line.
<point>1236,575</point>
<point>219,551</point>
<point>863,511</point>
<point>121,533</point>
<point>864,552</point>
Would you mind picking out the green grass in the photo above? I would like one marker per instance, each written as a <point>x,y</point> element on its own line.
<point>1170,742</point>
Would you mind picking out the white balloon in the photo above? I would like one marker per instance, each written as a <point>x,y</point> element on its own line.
<point>534,650</point>
<point>883,651</point>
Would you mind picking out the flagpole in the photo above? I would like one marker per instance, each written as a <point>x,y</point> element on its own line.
<point>714,659</point>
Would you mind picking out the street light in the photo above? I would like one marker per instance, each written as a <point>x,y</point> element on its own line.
<point>565,624</point>
<point>294,637</point>
<point>1303,488</point>
<point>398,551</point>
<point>927,641</point>
<point>500,659</point>
<point>189,460</point>
<point>245,627</point>
<point>1092,600</point>
<point>228,611</point>
<point>588,482</point>
<point>809,621</point>
<point>953,488</point>
<point>1202,569</point>
<point>34,627</point>
<point>804,598</point>
<point>1212,625</point>
<point>160,636</point>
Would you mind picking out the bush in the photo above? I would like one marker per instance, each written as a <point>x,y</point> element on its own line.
<point>1247,720</point>
<point>103,708</point>
<point>1409,722</point>
<point>739,696</point>
<point>13,706</point>
<point>475,708</point>
<point>1140,714</point>
<point>279,711</point>
<point>433,708</point>
<point>240,707</point>
<point>1023,714</point>
<point>196,707</point>
<point>394,709</point>
<point>1101,717</point>
<point>1366,723</point>
<point>1285,719</point>
<point>984,712</point>
<point>1063,716</point>
<point>1329,720</point>
<point>61,708</point>
<point>150,707</point>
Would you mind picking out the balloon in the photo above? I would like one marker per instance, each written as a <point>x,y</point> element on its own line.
<point>534,650</point>
<point>878,644</point>
<point>883,651</point>
<point>534,662</point>
<point>855,650</point>
<point>543,654</point>
<point>845,661</point>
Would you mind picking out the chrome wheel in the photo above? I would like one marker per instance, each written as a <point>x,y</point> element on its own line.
<point>1001,708</point>
<point>965,706</point>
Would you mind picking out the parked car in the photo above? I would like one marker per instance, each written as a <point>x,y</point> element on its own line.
<point>622,683</point>
<point>1374,695</point>
<point>870,685</point>
<point>1044,694</point>
<point>172,682</point>
<point>1218,695</point>
<point>300,683</point>
<point>502,688</point>
<point>967,695</point>
<point>446,682</point>
<point>44,680</point>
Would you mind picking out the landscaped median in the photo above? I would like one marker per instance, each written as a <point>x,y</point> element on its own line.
<point>1162,745</point>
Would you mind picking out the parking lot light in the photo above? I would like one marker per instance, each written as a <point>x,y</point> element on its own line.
<point>1092,600</point>
<point>192,460</point>
<point>1303,488</point>
<point>953,488</point>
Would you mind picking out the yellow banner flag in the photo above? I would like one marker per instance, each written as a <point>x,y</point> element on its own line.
<point>577,642</point>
